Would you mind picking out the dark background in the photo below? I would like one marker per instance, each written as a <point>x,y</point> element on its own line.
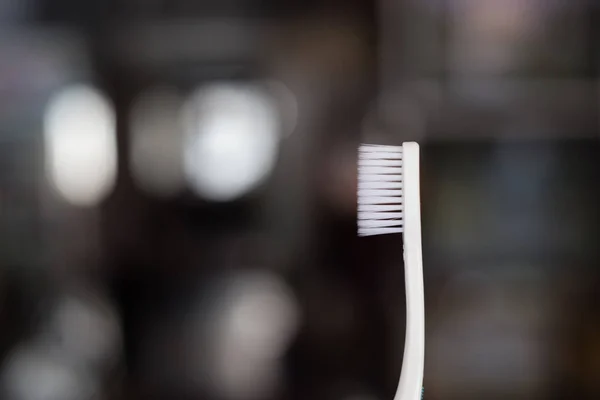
<point>126,299</point>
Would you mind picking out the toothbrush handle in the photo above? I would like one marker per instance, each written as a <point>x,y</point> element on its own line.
<point>410,386</point>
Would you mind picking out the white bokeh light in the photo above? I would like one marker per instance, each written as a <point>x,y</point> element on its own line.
<point>259,316</point>
<point>80,145</point>
<point>87,329</point>
<point>34,372</point>
<point>231,139</point>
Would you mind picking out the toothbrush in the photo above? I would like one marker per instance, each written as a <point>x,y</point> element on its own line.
<point>389,202</point>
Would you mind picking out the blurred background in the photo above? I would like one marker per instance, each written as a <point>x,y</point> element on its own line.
<point>178,198</point>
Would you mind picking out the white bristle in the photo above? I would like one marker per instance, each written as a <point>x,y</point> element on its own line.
<point>379,223</point>
<point>367,170</point>
<point>379,215</point>
<point>379,207</point>
<point>367,162</point>
<point>380,148</point>
<point>380,193</point>
<point>376,155</point>
<point>379,185</point>
<point>379,178</point>
<point>379,200</point>
<point>380,154</point>
<point>378,231</point>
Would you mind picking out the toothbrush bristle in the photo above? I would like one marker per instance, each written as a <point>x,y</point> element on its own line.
<point>380,193</point>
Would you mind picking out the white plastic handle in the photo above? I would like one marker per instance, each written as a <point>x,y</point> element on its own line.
<point>411,377</point>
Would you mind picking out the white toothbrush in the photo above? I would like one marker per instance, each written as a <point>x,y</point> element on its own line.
<point>389,202</point>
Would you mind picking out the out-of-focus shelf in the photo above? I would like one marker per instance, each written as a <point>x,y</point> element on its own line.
<point>495,108</point>
<point>154,45</point>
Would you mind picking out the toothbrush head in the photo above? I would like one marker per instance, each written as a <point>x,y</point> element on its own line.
<point>380,189</point>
